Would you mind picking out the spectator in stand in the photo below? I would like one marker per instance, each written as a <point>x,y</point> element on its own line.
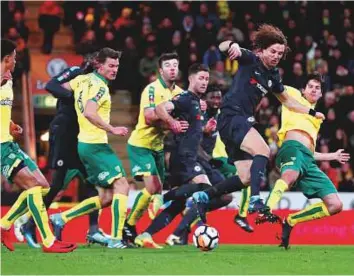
<point>331,172</point>
<point>20,25</point>
<point>297,78</point>
<point>212,56</point>
<point>219,77</point>
<point>88,43</point>
<point>229,31</point>
<point>148,64</point>
<point>346,182</point>
<point>322,68</point>
<point>50,15</point>
<point>188,26</point>
<point>129,77</point>
<point>124,24</point>
<point>205,15</point>
<point>164,34</point>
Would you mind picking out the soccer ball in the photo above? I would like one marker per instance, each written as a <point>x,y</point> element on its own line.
<point>206,238</point>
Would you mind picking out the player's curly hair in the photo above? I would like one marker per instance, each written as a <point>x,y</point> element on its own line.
<point>317,77</point>
<point>267,35</point>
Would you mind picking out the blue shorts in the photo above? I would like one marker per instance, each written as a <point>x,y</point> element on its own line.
<point>214,175</point>
<point>232,130</point>
<point>183,168</point>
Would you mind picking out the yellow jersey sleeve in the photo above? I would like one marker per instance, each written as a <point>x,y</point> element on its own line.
<point>297,121</point>
<point>148,97</point>
<point>75,82</point>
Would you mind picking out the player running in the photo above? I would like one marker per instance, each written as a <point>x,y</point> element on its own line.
<point>18,168</point>
<point>296,160</point>
<point>257,76</point>
<point>145,145</point>
<point>104,169</point>
<point>63,156</point>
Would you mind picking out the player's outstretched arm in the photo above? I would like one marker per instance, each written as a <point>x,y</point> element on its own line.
<point>293,105</point>
<point>59,90</point>
<point>341,156</point>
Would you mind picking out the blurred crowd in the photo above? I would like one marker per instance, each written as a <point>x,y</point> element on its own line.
<point>320,35</point>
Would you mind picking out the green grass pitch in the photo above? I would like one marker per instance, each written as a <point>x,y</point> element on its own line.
<point>226,259</point>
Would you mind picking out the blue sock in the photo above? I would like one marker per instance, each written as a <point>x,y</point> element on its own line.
<point>258,170</point>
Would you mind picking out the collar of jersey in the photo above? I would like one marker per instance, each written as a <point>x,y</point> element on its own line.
<point>164,85</point>
<point>100,77</point>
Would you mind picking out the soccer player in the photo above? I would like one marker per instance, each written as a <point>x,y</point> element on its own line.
<point>145,145</point>
<point>296,160</point>
<point>184,166</point>
<point>18,168</point>
<point>104,169</point>
<point>63,155</point>
<point>257,76</point>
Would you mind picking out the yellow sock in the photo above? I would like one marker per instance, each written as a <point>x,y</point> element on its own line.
<point>17,210</point>
<point>45,191</point>
<point>119,214</point>
<point>140,205</point>
<point>312,212</point>
<point>276,194</point>
<point>83,208</point>
<point>194,222</point>
<point>39,214</point>
<point>244,202</point>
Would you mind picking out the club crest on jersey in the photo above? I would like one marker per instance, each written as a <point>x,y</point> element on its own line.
<point>259,86</point>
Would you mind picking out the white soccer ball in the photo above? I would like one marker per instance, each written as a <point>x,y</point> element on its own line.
<point>206,238</point>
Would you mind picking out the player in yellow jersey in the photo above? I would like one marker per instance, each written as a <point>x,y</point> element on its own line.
<point>104,169</point>
<point>145,145</point>
<point>18,168</point>
<point>296,160</point>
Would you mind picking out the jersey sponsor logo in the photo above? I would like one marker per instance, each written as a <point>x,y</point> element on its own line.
<point>55,66</point>
<point>79,102</point>
<point>259,86</point>
<point>6,101</point>
<point>100,93</point>
<point>103,175</point>
<point>152,96</point>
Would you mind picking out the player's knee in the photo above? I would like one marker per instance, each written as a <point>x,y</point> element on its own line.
<point>106,199</point>
<point>335,206</point>
<point>227,199</point>
<point>245,176</point>
<point>290,177</point>
<point>43,183</point>
<point>153,185</point>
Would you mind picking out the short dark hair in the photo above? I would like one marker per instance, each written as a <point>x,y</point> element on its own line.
<point>197,67</point>
<point>167,56</point>
<point>213,88</point>
<point>267,35</point>
<point>7,47</point>
<point>106,52</point>
<point>317,77</point>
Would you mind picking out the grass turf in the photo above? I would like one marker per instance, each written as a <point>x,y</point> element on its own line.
<point>226,259</point>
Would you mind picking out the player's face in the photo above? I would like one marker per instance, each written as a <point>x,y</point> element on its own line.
<point>169,70</point>
<point>272,55</point>
<point>213,99</point>
<point>10,61</point>
<point>109,68</point>
<point>312,91</point>
<point>199,81</point>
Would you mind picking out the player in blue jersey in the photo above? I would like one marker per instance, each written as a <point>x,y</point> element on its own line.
<point>257,76</point>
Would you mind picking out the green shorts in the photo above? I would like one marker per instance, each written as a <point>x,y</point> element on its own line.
<point>313,182</point>
<point>145,162</point>
<point>226,169</point>
<point>101,163</point>
<point>11,157</point>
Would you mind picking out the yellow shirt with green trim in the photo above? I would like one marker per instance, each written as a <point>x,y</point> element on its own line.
<point>6,100</point>
<point>219,148</point>
<point>91,87</point>
<point>144,135</point>
<point>291,120</point>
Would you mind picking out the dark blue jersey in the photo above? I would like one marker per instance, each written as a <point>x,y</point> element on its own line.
<point>65,103</point>
<point>209,139</point>
<point>187,108</point>
<point>251,82</point>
